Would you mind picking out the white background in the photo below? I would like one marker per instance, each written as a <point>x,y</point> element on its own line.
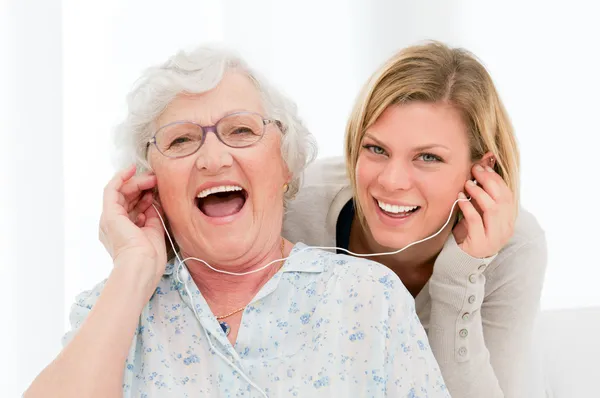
<point>67,66</point>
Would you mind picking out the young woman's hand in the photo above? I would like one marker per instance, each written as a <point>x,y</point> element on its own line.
<point>489,217</point>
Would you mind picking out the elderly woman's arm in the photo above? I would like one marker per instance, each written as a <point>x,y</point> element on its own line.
<point>482,343</point>
<point>92,363</point>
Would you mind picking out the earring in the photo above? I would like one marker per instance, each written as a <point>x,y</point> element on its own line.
<point>286,187</point>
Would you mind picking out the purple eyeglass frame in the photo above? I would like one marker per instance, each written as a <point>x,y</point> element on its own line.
<point>212,129</point>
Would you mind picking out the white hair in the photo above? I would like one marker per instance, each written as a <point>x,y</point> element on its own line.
<point>195,72</point>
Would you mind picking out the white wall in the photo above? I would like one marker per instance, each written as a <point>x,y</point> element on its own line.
<point>545,58</point>
<point>32,192</point>
<point>542,57</point>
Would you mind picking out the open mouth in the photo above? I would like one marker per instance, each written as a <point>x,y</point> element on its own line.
<point>396,211</point>
<point>221,201</point>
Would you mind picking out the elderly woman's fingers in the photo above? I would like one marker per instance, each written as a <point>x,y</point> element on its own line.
<point>140,207</point>
<point>140,220</point>
<point>152,221</point>
<point>128,220</point>
<point>133,189</point>
<point>112,194</point>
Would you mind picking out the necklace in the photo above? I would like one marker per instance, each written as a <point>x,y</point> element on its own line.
<point>224,325</point>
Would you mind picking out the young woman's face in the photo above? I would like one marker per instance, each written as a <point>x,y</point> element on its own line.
<point>412,163</point>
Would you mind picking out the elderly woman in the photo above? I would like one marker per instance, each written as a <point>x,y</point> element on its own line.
<point>220,151</point>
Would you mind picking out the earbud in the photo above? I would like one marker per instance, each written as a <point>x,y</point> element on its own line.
<point>184,274</point>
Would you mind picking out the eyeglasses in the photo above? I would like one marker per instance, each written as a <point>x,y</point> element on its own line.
<point>236,130</point>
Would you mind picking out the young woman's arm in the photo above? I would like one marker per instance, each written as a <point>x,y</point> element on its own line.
<point>480,326</point>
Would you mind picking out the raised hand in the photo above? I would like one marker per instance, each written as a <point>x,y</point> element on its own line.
<point>130,227</point>
<point>489,217</point>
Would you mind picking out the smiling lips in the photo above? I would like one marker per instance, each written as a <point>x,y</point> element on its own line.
<point>396,211</point>
<point>222,200</point>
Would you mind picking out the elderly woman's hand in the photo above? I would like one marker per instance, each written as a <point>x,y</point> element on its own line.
<point>130,227</point>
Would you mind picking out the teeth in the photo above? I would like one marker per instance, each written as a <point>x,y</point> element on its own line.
<point>395,209</point>
<point>222,188</point>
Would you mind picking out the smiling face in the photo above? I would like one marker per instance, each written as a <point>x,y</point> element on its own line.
<point>224,205</point>
<point>412,163</point>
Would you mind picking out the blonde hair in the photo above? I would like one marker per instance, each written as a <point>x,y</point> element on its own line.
<point>434,72</point>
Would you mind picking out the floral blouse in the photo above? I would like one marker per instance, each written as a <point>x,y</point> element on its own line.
<point>326,325</point>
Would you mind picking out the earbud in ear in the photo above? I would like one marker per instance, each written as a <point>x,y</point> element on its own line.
<point>155,196</point>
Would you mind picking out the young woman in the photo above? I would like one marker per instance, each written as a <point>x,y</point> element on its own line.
<point>426,125</point>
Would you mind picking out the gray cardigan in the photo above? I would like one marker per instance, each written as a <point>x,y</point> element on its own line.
<point>478,313</point>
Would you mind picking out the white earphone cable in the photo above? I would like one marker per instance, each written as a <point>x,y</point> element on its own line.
<point>212,347</point>
<point>182,262</point>
<point>306,248</point>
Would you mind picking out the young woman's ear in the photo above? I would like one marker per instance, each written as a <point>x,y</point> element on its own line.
<point>487,160</point>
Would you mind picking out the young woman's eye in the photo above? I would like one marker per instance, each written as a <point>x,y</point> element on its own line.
<point>430,158</point>
<point>377,150</point>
